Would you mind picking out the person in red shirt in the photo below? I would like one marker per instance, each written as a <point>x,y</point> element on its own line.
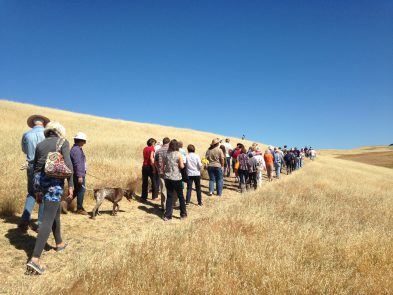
<point>268,157</point>
<point>148,170</point>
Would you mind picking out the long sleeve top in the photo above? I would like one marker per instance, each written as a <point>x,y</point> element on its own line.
<point>194,165</point>
<point>78,161</point>
<point>30,139</point>
<point>49,145</point>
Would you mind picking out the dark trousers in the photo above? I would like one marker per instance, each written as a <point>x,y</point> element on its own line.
<point>197,181</point>
<point>147,171</point>
<point>171,187</point>
<point>50,220</point>
<point>252,179</point>
<point>289,167</point>
<point>79,192</point>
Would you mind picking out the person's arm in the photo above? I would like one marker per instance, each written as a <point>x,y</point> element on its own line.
<point>222,158</point>
<point>65,151</point>
<point>152,158</point>
<point>77,162</point>
<point>199,163</point>
<point>181,163</point>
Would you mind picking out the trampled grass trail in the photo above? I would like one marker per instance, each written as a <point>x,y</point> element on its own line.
<point>325,229</point>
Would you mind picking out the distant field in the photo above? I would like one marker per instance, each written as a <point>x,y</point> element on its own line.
<point>373,155</point>
<point>383,159</point>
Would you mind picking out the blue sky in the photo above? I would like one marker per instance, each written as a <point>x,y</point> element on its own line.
<point>300,73</point>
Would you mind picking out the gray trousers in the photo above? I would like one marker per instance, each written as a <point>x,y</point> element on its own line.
<point>50,221</point>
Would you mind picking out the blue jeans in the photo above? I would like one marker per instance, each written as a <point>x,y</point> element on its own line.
<point>215,175</point>
<point>243,175</point>
<point>30,198</point>
<point>301,162</point>
<point>277,166</point>
<point>79,192</point>
<point>228,168</point>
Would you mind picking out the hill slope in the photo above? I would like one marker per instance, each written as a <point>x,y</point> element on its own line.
<point>324,229</point>
<point>114,148</point>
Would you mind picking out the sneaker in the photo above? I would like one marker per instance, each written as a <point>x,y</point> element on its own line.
<point>33,268</point>
<point>210,193</point>
<point>82,212</point>
<point>200,205</point>
<point>187,203</point>
<point>183,217</point>
<point>166,218</point>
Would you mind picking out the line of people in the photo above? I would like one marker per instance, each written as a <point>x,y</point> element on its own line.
<point>167,164</point>
<point>44,139</point>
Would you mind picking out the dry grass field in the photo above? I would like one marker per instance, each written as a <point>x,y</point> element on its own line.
<point>327,228</point>
<point>375,155</point>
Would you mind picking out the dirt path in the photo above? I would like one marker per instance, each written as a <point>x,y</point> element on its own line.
<point>94,239</point>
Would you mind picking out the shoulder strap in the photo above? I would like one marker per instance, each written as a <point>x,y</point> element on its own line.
<point>59,144</point>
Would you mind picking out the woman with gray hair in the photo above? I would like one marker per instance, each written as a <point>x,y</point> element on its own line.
<point>51,190</point>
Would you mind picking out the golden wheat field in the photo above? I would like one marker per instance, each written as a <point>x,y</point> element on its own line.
<point>327,228</point>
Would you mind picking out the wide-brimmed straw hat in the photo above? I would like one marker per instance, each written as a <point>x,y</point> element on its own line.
<point>33,118</point>
<point>81,136</point>
<point>55,127</point>
<point>215,141</point>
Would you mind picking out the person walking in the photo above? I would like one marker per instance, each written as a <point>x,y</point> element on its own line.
<point>268,157</point>
<point>252,171</point>
<point>278,161</point>
<point>228,153</point>
<point>159,164</point>
<point>51,190</point>
<point>261,166</point>
<point>78,159</point>
<point>243,169</point>
<point>148,170</point>
<point>173,163</point>
<point>288,162</point>
<point>215,156</point>
<point>30,139</point>
<point>194,167</point>
<point>157,175</point>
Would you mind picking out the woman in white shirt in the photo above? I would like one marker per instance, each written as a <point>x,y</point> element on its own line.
<point>193,167</point>
<point>261,166</point>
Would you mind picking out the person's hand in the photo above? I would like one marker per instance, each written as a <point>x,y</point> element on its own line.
<point>70,194</point>
<point>80,180</point>
<point>23,166</point>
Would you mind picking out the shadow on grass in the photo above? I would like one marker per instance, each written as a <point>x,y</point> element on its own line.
<point>20,238</point>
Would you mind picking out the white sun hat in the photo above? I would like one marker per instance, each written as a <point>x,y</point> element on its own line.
<point>81,136</point>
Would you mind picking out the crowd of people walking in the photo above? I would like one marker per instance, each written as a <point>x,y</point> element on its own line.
<point>167,167</point>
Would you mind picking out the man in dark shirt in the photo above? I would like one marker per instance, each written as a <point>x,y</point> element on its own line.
<point>79,164</point>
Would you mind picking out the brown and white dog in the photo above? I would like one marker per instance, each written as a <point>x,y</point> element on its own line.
<point>113,195</point>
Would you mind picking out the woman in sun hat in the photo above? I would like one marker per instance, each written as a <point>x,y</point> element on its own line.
<point>216,159</point>
<point>30,139</point>
<point>78,159</point>
<point>51,190</point>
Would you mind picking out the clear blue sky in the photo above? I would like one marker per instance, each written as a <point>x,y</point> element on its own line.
<point>300,73</point>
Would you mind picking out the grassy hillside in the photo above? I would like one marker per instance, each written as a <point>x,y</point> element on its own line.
<point>327,228</point>
<point>114,148</point>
